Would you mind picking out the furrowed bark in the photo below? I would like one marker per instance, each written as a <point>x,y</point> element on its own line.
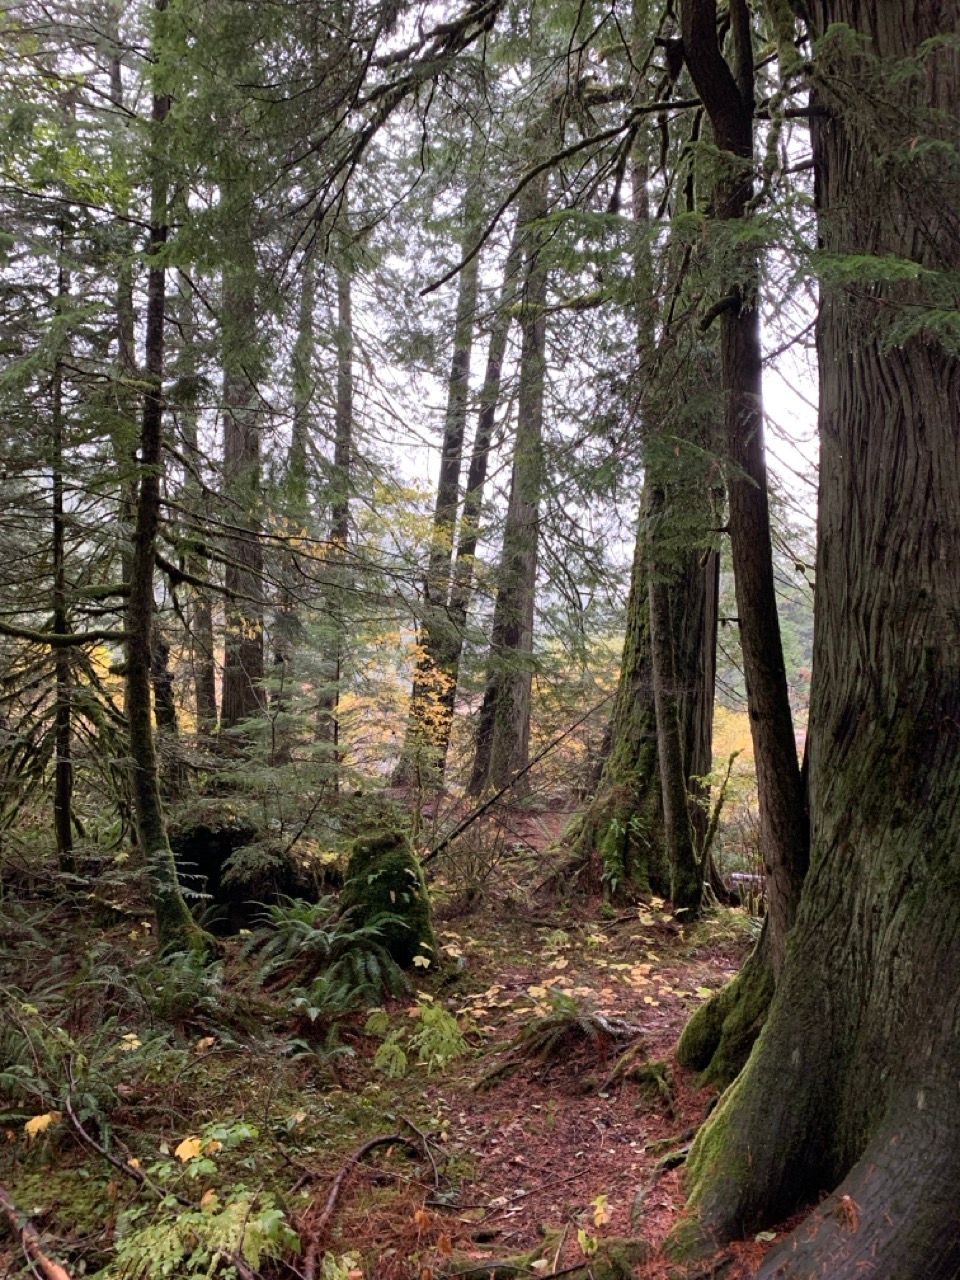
<point>851,1088</point>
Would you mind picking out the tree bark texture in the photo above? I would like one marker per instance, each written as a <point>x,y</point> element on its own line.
<point>852,1087</point>
<point>727,94</point>
<point>503,729</point>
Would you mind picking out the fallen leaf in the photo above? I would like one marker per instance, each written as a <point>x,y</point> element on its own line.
<point>206,1043</point>
<point>188,1149</point>
<point>40,1124</point>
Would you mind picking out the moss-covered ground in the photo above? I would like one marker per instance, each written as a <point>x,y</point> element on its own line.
<point>126,1082</point>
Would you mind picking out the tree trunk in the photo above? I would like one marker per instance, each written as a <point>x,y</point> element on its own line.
<point>503,730</point>
<point>728,98</point>
<point>678,830</point>
<point>852,1087</point>
<point>63,672</point>
<point>425,732</point>
<point>243,694</point>
<point>461,588</point>
<point>200,616</point>
<point>328,703</point>
<point>176,929</point>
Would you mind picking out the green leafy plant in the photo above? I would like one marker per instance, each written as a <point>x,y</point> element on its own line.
<point>204,1241</point>
<point>336,963</point>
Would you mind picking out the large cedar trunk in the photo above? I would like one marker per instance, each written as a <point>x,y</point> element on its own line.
<point>852,1087</point>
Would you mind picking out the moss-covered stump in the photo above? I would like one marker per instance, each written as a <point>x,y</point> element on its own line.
<point>385,879</point>
<point>227,872</point>
<point>615,1259</point>
<point>718,1038</point>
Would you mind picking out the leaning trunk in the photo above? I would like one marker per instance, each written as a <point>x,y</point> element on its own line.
<point>728,97</point>
<point>851,1089</point>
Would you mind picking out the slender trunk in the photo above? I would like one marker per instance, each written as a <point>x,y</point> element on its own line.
<point>202,657</point>
<point>243,694</point>
<point>165,715</point>
<point>851,1089</point>
<point>728,98</point>
<point>287,630</point>
<point>328,722</point>
<point>62,714</point>
<point>175,926</point>
<point>426,733</point>
<point>461,588</point>
<point>503,730</point>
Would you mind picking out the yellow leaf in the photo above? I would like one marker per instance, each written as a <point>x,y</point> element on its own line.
<point>602,1213</point>
<point>560,962</point>
<point>206,1043</point>
<point>188,1149</point>
<point>209,1200</point>
<point>422,962</point>
<point>40,1124</point>
<point>129,1042</point>
<point>133,1162</point>
<point>212,1146</point>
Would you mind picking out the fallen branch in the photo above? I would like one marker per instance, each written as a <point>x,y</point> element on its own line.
<point>326,1214</point>
<point>29,1239</point>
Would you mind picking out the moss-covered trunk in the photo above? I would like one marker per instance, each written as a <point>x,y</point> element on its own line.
<point>851,1088</point>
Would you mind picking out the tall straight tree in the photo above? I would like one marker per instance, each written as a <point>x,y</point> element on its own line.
<point>176,929</point>
<point>727,91</point>
<point>420,757</point>
<point>852,1087</point>
<point>503,728</point>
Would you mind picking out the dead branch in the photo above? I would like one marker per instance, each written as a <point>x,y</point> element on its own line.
<point>29,1239</point>
<point>318,1228</point>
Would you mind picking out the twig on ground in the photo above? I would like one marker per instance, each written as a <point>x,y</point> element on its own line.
<point>326,1214</point>
<point>29,1239</point>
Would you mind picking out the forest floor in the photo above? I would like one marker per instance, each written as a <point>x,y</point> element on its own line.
<point>486,1154</point>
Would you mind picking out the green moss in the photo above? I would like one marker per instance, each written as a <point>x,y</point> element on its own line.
<point>383,877</point>
<point>718,1038</point>
<point>709,1164</point>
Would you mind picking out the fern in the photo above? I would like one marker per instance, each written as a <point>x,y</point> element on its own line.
<point>336,964</point>
<point>202,1242</point>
